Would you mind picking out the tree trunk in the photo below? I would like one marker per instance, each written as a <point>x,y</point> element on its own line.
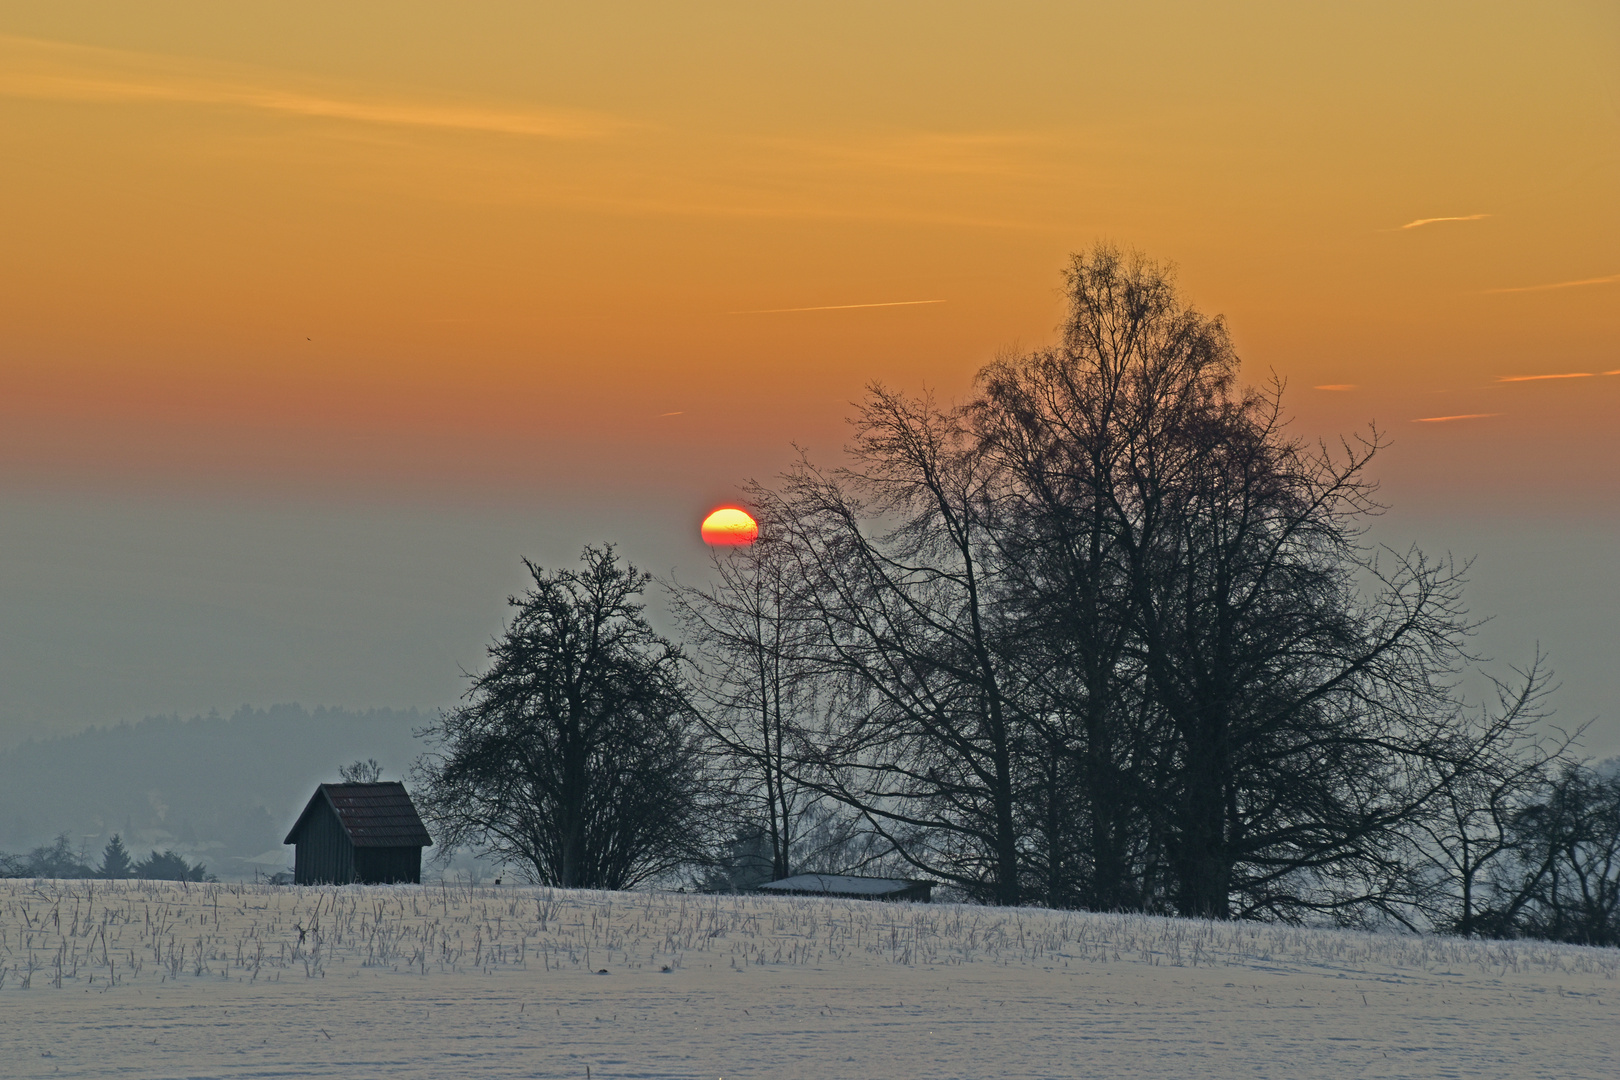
<point>1203,860</point>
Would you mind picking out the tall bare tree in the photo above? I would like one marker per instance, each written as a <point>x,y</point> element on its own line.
<point>1079,434</point>
<point>1109,635</point>
<point>1286,698</point>
<point>900,606</point>
<point>755,691</point>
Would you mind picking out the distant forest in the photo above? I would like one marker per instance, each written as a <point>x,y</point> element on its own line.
<point>213,789</point>
<point>60,860</point>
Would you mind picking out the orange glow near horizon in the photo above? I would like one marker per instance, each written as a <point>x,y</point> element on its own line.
<point>371,248</point>
<point>730,527</point>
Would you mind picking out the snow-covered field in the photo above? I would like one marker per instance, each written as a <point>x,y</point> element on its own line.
<point>165,980</point>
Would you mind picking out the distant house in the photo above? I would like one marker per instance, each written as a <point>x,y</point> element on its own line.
<point>358,833</point>
<point>852,887</point>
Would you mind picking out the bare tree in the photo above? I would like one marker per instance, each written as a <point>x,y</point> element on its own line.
<point>1079,434</point>
<point>1568,868</point>
<point>1470,845</point>
<point>361,772</point>
<point>574,757</point>
<point>1109,635</point>
<point>926,741</point>
<point>754,691</point>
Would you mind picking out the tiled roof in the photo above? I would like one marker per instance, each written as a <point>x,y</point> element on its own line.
<point>373,815</point>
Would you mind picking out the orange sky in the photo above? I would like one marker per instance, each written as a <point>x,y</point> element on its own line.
<point>403,245</point>
<point>315,317</point>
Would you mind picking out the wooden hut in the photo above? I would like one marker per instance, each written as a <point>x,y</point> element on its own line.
<point>852,887</point>
<point>358,833</point>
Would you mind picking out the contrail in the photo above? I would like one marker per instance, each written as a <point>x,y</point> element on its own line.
<point>1432,220</point>
<point>1538,378</point>
<point>834,307</point>
<point>1336,386</point>
<point>1463,416</point>
<point>1560,284</point>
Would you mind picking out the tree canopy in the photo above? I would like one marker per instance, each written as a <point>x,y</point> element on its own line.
<point>574,756</point>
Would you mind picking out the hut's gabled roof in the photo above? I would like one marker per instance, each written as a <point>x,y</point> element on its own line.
<point>373,815</point>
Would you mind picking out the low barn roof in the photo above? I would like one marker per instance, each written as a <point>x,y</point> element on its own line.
<point>373,815</point>
<point>850,885</point>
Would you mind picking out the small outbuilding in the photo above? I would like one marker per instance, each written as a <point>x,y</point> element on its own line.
<point>852,887</point>
<point>365,834</point>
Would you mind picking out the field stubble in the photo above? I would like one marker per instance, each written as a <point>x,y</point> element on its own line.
<point>186,980</point>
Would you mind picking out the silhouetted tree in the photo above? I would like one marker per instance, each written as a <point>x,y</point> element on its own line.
<point>1108,635</point>
<point>1566,884</point>
<point>574,756</point>
<point>361,772</point>
<point>754,693</point>
<point>928,742</point>
<point>1079,434</point>
<point>1469,847</point>
<point>56,860</point>
<point>169,866</point>
<point>115,860</point>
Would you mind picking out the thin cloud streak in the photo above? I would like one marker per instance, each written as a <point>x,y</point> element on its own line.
<point>51,71</point>
<point>1432,220</point>
<point>1461,416</point>
<point>1538,378</point>
<point>835,307</point>
<point>1336,386</point>
<point>1609,280</point>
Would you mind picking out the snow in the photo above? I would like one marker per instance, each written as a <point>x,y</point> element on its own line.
<point>170,980</point>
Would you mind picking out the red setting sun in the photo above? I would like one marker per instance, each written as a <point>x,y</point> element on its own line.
<point>730,526</point>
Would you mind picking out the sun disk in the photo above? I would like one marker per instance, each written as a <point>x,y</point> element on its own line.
<point>730,526</point>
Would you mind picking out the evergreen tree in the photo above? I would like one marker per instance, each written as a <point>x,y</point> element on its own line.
<point>115,860</point>
<point>169,866</point>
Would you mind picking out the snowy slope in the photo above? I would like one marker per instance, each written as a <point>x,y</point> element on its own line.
<point>165,980</point>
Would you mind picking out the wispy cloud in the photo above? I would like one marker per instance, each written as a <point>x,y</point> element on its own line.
<point>1460,416</point>
<point>54,71</point>
<point>1336,386</point>
<point>1609,280</point>
<point>1420,222</point>
<point>677,412</point>
<point>1538,378</point>
<point>835,307</point>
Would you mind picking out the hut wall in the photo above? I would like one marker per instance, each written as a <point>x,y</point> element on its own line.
<point>388,865</point>
<point>323,854</point>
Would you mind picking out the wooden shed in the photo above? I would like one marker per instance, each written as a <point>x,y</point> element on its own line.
<point>852,887</point>
<point>358,833</point>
